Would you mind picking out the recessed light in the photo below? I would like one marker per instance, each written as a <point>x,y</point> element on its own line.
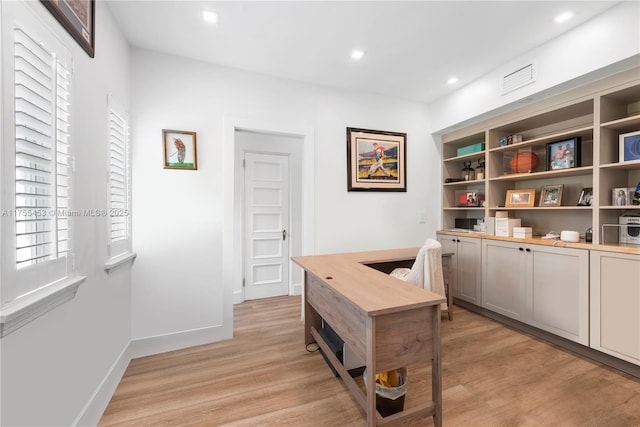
<point>452,80</point>
<point>563,17</point>
<point>357,55</point>
<point>210,17</point>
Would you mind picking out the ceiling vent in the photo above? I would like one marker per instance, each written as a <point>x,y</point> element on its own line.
<point>517,79</point>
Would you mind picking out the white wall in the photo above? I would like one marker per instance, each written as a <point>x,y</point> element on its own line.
<point>52,367</point>
<point>178,217</point>
<point>606,44</point>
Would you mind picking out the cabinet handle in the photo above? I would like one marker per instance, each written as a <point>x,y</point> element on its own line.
<point>521,249</point>
<point>528,250</point>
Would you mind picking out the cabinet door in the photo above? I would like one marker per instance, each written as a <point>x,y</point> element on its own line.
<point>558,291</point>
<point>503,278</point>
<point>615,304</point>
<point>469,278</point>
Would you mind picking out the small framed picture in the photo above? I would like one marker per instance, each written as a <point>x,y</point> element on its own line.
<point>551,195</point>
<point>179,149</point>
<point>630,146</point>
<point>619,196</point>
<point>564,154</point>
<point>520,198</point>
<point>586,197</point>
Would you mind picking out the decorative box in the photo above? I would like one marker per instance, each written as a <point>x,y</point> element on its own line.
<point>522,232</point>
<point>469,149</point>
<point>504,226</point>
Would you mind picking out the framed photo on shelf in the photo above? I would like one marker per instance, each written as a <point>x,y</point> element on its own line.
<point>551,195</point>
<point>630,146</point>
<point>620,196</point>
<point>564,154</point>
<point>520,198</point>
<point>179,149</point>
<point>586,197</point>
<point>376,160</point>
<point>78,18</point>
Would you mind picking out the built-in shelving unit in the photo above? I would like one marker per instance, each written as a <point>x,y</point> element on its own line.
<point>597,114</point>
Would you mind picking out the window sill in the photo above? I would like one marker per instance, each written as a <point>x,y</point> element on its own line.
<point>119,260</point>
<point>18,313</point>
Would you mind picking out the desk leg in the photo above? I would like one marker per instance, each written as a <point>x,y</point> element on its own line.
<point>370,408</point>
<point>436,370</point>
<point>311,317</point>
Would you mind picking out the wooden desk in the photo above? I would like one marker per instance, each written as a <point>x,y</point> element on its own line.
<point>385,321</point>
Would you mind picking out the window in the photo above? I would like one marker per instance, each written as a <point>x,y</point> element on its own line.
<point>119,181</point>
<point>36,227</point>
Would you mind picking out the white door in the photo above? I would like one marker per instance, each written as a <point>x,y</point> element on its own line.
<point>266,219</point>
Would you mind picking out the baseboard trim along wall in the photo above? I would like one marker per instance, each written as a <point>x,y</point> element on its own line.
<point>178,340</point>
<point>95,407</point>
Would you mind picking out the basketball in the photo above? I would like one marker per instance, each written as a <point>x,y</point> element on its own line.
<point>525,161</point>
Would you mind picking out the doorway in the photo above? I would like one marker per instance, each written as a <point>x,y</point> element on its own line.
<point>266,225</point>
<point>269,188</point>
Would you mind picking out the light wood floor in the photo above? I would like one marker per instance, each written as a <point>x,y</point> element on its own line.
<point>492,376</point>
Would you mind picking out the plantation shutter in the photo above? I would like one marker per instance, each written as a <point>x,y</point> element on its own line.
<point>118,181</point>
<point>42,102</point>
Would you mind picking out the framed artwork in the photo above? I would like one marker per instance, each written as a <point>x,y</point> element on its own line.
<point>630,146</point>
<point>179,149</point>
<point>551,195</point>
<point>520,198</point>
<point>620,196</point>
<point>586,197</point>
<point>78,18</point>
<point>376,160</point>
<point>564,154</point>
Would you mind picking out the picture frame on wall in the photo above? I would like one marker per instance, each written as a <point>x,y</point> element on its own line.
<point>551,195</point>
<point>586,197</point>
<point>630,146</point>
<point>78,18</point>
<point>179,149</point>
<point>520,198</point>
<point>564,154</point>
<point>376,160</point>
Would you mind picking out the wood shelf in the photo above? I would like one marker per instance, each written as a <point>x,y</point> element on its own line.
<point>544,208</point>
<point>473,156</point>
<point>584,170</point>
<point>543,140</point>
<point>622,124</point>
<point>629,165</point>
<point>464,183</point>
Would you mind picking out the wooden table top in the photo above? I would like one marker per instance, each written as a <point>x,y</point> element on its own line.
<point>372,291</point>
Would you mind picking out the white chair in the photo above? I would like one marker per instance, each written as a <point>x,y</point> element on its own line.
<point>426,272</point>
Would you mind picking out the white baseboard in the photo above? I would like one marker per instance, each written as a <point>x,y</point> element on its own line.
<point>297,289</point>
<point>95,407</point>
<point>237,297</point>
<point>93,410</point>
<point>179,340</point>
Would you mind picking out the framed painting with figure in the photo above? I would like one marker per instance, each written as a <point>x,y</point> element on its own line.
<point>179,149</point>
<point>78,18</point>
<point>376,160</point>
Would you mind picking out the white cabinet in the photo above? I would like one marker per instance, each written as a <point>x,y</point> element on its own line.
<point>615,304</point>
<point>466,266</point>
<point>558,294</point>
<point>543,286</point>
<point>503,278</point>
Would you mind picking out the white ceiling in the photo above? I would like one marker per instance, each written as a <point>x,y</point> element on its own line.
<point>412,48</point>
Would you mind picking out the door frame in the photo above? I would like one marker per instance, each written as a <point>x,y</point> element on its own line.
<point>232,216</point>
